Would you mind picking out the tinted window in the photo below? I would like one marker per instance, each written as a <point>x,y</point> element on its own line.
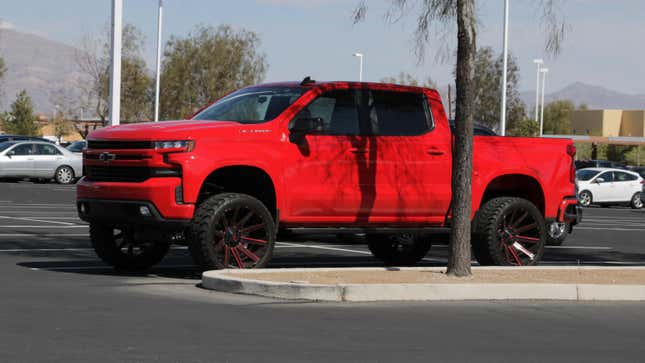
<point>24,149</point>
<point>338,111</point>
<point>47,150</point>
<point>251,105</point>
<point>400,113</point>
<point>5,145</point>
<point>77,146</point>
<point>607,176</point>
<point>624,176</point>
<point>585,175</point>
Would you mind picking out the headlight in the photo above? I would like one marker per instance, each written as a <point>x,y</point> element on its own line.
<point>175,146</point>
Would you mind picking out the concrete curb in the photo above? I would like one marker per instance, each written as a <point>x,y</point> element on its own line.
<point>243,283</point>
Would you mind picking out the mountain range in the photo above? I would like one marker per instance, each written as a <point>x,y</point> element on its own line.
<point>44,67</point>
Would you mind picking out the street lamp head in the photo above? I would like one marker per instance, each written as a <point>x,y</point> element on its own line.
<point>538,61</point>
<point>544,70</point>
<point>360,55</point>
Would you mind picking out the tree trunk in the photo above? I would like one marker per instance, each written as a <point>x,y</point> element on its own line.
<point>459,252</point>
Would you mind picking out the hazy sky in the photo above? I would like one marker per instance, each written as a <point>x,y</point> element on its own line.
<point>316,37</point>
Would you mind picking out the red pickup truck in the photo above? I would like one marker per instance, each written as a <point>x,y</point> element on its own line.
<point>332,157</point>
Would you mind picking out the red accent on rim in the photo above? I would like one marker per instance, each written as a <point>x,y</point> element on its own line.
<point>248,253</point>
<point>236,255</point>
<point>253,240</point>
<point>526,239</point>
<point>227,257</point>
<point>515,256</point>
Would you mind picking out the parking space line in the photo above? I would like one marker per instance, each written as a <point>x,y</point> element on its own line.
<point>39,226</point>
<point>36,220</point>
<point>43,235</point>
<point>609,229</point>
<point>580,248</point>
<point>323,248</point>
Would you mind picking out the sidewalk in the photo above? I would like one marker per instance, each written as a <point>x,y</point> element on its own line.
<point>408,284</point>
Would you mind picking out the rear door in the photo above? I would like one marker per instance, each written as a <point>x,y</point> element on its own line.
<point>46,159</point>
<point>413,169</point>
<point>625,186</point>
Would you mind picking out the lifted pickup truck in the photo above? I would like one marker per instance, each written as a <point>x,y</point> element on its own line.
<point>332,157</point>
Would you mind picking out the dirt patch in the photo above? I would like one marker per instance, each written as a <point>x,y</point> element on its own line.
<point>608,276</point>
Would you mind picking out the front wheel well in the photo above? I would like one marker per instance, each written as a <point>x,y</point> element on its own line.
<point>248,180</point>
<point>515,185</point>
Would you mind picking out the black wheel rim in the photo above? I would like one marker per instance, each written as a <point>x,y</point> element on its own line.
<point>241,238</point>
<point>519,237</point>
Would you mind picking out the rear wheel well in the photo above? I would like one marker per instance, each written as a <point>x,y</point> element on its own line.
<point>248,180</point>
<point>515,185</point>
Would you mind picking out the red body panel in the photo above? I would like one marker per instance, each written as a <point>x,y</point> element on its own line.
<point>402,180</point>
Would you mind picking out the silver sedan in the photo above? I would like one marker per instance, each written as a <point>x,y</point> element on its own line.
<point>42,160</point>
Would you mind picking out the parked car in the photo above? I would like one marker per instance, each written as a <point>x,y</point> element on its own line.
<point>322,162</point>
<point>5,138</point>
<point>39,160</point>
<point>603,186</point>
<point>77,146</point>
<point>478,129</point>
<point>582,164</point>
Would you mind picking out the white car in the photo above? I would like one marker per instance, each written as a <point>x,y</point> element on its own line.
<point>39,160</point>
<point>605,186</point>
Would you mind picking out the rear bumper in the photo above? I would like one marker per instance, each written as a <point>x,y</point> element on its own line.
<point>119,202</point>
<point>570,211</point>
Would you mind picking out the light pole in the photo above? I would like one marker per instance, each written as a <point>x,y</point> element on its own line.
<point>115,68</point>
<point>502,119</point>
<point>544,71</point>
<point>159,25</point>
<point>360,70</point>
<point>539,63</point>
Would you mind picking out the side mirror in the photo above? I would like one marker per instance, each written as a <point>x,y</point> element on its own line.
<point>311,125</point>
<point>600,180</point>
<point>10,154</point>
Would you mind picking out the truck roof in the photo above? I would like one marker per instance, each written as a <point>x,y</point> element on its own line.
<point>344,83</point>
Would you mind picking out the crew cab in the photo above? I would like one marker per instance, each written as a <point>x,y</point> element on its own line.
<point>315,157</point>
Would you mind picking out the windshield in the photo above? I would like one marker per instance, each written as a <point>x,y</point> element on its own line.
<point>585,175</point>
<point>5,145</point>
<point>76,146</point>
<point>251,105</point>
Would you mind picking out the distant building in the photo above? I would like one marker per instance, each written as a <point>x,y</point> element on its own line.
<point>609,123</point>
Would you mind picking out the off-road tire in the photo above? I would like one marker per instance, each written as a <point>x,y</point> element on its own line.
<point>206,243</point>
<point>487,235</point>
<point>107,243</point>
<point>585,198</point>
<point>64,175</point>
<point>636,201</point>
<point>393,250</point>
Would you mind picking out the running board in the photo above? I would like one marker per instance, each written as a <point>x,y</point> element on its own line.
<point>372,230</point>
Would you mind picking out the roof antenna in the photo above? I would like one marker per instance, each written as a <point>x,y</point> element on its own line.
<point>307,81</point>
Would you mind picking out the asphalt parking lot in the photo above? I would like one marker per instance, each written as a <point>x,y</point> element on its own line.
<point>60,303</point>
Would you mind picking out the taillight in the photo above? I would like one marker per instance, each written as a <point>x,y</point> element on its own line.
<point>571,151</point>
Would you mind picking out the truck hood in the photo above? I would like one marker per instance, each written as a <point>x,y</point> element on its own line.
<point>165,130</point>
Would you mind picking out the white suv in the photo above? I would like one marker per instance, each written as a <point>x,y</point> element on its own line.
<point>609,186</point>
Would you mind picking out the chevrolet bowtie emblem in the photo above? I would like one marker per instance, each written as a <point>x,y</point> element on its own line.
<point>106,157</point>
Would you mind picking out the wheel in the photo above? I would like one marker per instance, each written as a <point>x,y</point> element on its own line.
<point>636,202</point>
<point>120,248</point>
<point>404,249</point>
<point>232,231</point>
<point>509,232</point>
<point>557,233</point>
<point>64,175</point>
<point>585,198</point>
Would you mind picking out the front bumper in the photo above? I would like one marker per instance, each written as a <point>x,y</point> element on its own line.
<point>114,202</point>
<point>121,212</point>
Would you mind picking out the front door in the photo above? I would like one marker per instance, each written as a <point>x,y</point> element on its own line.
<point>46,159</point>
<point>19,161</point>
<point>323,167</point>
